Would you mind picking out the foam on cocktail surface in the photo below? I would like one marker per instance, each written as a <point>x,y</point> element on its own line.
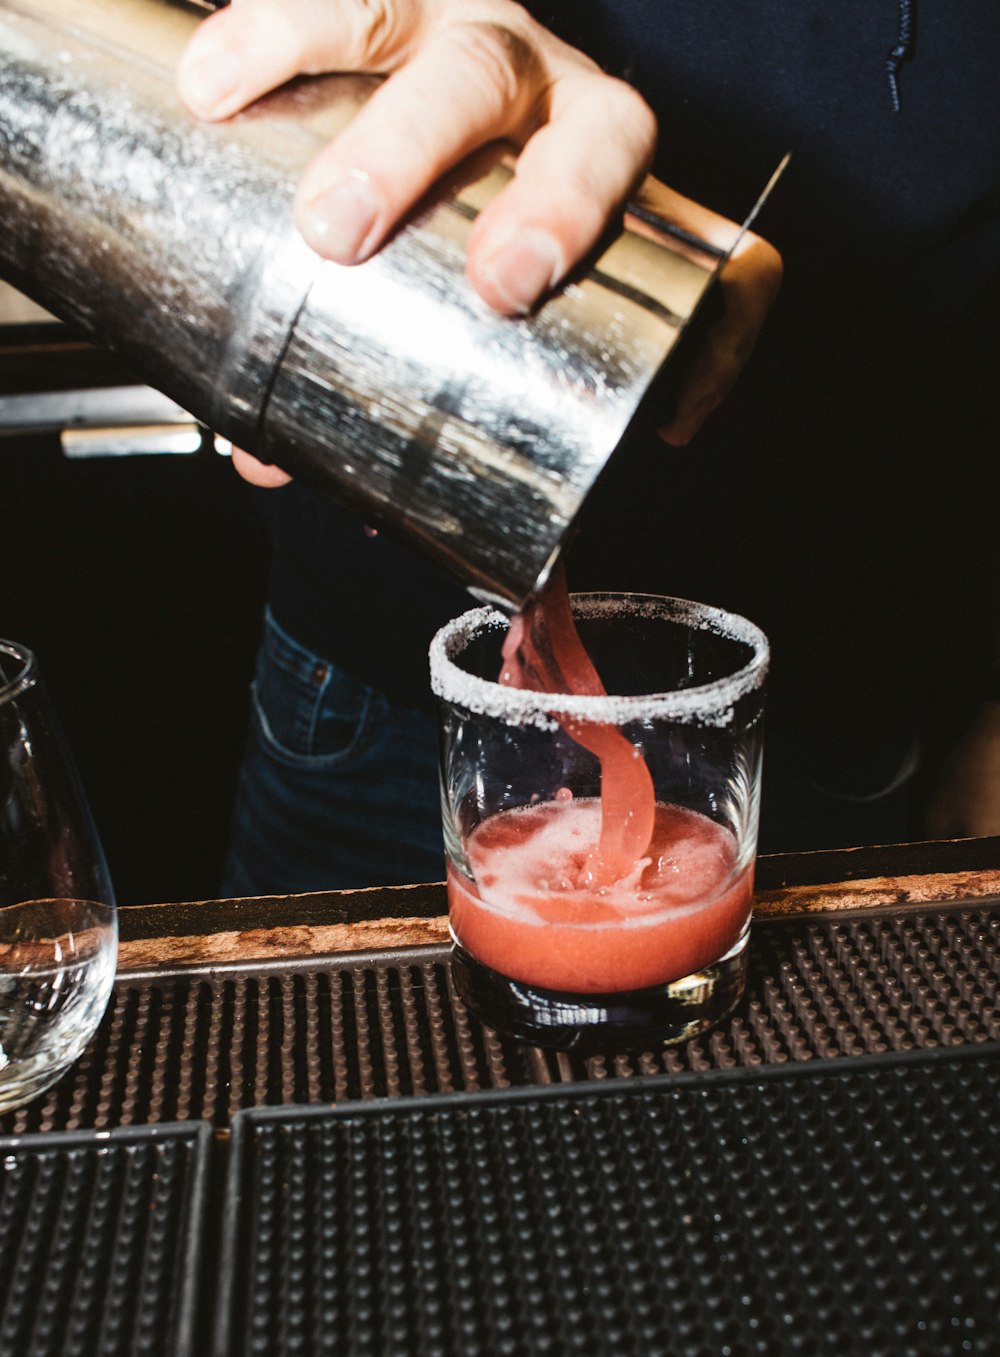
<point>537,862</point>
<point>533,913</point>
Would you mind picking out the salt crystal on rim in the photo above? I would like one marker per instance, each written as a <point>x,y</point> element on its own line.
<point>709,704</point>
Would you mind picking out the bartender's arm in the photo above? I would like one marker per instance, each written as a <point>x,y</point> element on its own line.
<point>462,73</point>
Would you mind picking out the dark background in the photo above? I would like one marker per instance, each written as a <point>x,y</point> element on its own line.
<point>138,582</point>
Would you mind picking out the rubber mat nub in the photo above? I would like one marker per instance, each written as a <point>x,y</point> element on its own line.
<point>100,1239</point>
<point>846,1208</point>
<point>180,1046</point>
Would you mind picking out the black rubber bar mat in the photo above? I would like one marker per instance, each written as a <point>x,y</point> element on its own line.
<point>848,1207</point>
<point>101,1240</point>
<point>181,1046</point>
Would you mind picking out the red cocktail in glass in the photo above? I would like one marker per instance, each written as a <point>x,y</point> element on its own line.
<point>600,848</point>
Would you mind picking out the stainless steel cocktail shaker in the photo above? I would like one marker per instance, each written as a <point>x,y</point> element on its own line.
<point>389,386</point>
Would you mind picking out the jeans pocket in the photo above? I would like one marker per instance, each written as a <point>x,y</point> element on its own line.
<point>309,713</point>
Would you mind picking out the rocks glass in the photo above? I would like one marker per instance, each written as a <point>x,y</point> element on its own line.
<point>552,944</point>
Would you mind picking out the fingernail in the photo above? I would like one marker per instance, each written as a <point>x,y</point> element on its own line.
<point>209,81</point>
<point>340,221</point>
<point>524,269</point>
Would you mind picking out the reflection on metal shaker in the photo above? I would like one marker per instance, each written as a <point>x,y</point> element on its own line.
<point>390,386</point>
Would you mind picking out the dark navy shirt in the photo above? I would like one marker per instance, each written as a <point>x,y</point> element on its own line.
<point>839,495</point>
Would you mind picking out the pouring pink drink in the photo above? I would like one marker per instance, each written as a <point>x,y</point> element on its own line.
<point>594,896</point>
<point>537,914</point>
<point>600,848</point>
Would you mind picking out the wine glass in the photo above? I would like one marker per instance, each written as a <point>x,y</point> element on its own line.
<point>58,923</point>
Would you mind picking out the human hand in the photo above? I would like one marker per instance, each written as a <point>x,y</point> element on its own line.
<point>462,73</point>
<point>965,803</point>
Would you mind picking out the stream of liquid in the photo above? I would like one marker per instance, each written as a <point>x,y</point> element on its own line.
<point>630,893</point>
<point>543,652</point>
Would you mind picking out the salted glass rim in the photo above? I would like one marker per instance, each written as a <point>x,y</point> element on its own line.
<point>710,703</point>
<point>26,675</point>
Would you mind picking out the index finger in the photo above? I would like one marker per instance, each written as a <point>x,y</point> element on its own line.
<point>248,49</point>
<point>463,74</point>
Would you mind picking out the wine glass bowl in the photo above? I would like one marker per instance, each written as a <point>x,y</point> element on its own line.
<point>58,923</point>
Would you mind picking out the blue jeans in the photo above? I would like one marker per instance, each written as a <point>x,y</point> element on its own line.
<point>338,787</point>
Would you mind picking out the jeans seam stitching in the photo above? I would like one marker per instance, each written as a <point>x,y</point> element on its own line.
<point>357,745</point>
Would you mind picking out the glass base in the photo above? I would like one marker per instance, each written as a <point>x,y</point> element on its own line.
<point>22,1084</point>
<point>588,1024</point>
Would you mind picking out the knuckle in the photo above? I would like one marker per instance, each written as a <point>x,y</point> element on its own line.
<point>508,67</point>
<point>627,111</point>
<point>379,23</point>
<point>374,31</point>
<point>629,103</point>
<point>639,121</point>
<point>629,129</point>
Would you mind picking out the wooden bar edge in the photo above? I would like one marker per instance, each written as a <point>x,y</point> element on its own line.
<point>296,927</point>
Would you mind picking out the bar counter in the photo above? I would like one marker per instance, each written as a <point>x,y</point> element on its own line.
<point>294,926</point>
<point>289,1136</point>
